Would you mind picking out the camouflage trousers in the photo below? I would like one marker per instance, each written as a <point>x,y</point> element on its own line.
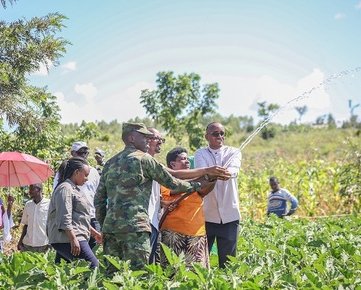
<point>130,246</point>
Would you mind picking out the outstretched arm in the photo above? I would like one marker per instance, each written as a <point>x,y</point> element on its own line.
<point>207,188</point>
<point>214,172</point>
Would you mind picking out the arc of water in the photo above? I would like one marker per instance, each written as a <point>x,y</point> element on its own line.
<point>298,98</point>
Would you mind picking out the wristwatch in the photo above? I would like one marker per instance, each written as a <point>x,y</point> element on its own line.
<point>195,185</point>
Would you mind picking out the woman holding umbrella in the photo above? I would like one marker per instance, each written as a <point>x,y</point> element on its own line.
<point>68,223</point>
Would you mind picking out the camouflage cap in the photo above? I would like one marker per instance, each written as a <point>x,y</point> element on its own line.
<point>138,127</point>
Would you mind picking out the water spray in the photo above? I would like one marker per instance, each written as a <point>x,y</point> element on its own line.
<point>304,95</point>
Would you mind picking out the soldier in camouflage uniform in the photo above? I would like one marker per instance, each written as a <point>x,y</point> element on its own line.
<point>123,195</point>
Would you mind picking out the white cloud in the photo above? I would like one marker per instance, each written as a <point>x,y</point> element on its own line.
<point>70,111</point>
<point>88,90</point>
<point>122,105</point>
<point>358,5</point>
<point>69,66</point>
<point>43,71</point>
<point>339,16</point>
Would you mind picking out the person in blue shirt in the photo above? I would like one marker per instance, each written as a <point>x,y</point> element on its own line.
<point>278,199</point>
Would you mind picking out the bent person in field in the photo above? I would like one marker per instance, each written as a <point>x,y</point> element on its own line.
<point>123,196</point>
<point>33,237</point>
<point>278,199</point>
<point>183,229</point>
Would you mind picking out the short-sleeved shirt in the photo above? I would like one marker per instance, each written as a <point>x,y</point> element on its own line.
<point>69,209</point>
<point>188,217</point>
<point>122,198</point>
<point>35,216</point>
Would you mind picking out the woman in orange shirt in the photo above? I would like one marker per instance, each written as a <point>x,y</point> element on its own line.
<point>183,229</point>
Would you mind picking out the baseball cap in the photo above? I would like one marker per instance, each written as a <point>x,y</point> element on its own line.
<point>78,145</point>
<point>138,127</point>
<point>100,152</point>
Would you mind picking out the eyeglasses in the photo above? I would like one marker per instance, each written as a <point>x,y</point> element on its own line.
<point>217,134</point>
<point>158,139</point>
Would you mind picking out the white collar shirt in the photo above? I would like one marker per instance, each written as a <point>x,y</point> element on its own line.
<point>154,204</point>
<point>90,188</point>
<point>35,217</point>
<point>221,205</point>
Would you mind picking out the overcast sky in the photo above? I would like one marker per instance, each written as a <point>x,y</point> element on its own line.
<point>257,51</point>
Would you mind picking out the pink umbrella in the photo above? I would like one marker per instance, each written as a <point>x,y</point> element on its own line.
<point>20,169</point>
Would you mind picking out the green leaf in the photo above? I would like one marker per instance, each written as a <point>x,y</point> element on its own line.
<point>113,261</point>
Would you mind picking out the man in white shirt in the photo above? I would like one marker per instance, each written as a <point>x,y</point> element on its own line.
<point>221,205</point>
<point>33,237</point>
<point>155,142</point>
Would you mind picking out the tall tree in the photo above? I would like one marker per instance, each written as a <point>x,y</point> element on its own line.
<point>265,112</point>
<point>29,113</point>
<point>178,104</point>
<point>24,47</point>
<point>352,108</point>
<point>301,111</point>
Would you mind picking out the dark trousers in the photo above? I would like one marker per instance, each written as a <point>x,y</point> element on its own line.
<point>63,250</point>
<point>153,245</point>
<point>92,242</point>
<point>226,236</point>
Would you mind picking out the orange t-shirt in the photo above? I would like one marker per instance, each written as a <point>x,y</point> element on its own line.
<point>188,217</point>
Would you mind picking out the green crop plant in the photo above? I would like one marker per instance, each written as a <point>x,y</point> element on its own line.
<point>274,254</point>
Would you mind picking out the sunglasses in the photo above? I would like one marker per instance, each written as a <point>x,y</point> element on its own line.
<point>81,152</point>
<point>158,139</point>
<point>217,134</point>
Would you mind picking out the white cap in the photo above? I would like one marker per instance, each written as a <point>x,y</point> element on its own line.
<point>78,145</point>
<point>100,152</point>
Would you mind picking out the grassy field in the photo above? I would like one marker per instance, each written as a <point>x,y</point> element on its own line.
<point>321,167</point>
